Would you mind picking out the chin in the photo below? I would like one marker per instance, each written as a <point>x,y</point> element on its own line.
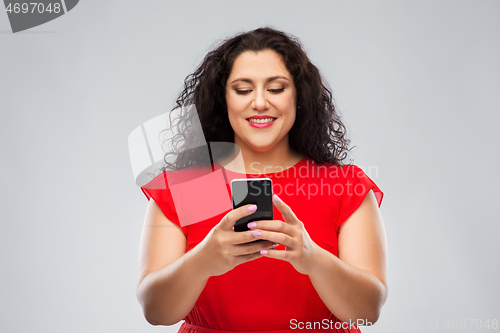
<point>261,148</point>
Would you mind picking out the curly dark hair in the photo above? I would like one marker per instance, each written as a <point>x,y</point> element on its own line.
<point>318,131</point>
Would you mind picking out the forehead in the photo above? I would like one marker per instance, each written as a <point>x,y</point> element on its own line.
<point>259,65</point>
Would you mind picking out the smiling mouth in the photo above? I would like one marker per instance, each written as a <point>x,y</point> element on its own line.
<point>261,121</point>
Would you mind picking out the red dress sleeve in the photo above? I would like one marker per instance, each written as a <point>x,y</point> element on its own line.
<point>355,188</point>
<point>158,189</point>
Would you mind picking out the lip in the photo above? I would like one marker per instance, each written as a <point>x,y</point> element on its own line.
<point>260,125</point>
<point>260,117</point>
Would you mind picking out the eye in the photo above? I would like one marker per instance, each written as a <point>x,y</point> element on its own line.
<point>243,92</point>
<point>276,91</point>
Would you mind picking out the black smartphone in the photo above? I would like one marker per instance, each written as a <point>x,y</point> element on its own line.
<point>257,191</point>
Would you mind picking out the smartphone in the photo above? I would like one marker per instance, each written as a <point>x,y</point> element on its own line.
<point>257,191</point>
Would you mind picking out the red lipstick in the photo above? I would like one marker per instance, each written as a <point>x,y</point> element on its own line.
<point>260,117</point>
<point>261,124</point>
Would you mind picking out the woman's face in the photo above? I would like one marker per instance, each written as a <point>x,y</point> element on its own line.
<point>260,97</point>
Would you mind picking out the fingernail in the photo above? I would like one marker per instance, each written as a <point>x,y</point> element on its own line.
<point>252,208</point>
<point>251,225</point>
<point>256,232</point>
<point>263,251</point>
<point>276,198</point>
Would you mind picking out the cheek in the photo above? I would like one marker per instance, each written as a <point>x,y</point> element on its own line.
<point>234,105</point>
<point>291,119</point>
<point>232,113</point>
<point>231,117</point>
<point>287,105</point>
<point>290,112</point>
<point>230,108</point>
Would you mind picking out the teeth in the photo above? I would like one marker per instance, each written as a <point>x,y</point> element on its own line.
<point>261,121</point>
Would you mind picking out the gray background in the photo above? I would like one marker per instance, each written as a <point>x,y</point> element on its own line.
<point>418,84</point>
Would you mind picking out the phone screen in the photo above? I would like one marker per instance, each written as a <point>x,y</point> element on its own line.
<point>252,191</point>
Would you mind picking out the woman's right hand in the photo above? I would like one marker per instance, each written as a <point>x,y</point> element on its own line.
<point>222,249</point>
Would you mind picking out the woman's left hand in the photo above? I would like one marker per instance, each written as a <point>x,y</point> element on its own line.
<point>299,247</point>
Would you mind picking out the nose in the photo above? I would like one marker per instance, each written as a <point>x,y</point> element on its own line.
<point>260,102</point>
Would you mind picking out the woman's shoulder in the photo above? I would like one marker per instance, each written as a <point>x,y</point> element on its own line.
<point>173,177</point>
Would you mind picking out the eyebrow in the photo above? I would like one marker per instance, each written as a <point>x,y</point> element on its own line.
<point>272,78</point>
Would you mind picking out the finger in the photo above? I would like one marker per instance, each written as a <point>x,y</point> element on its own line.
<point>285,210</point>
<point>244,237</point>
<point>228,221</point>
<point>276,254</point>
<point>273,225</point>
<point>275,237</point>
<point>248,257</point>
<point>249,248</point>
<point>239,238</point>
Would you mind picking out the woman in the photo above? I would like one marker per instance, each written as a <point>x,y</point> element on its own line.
<point>321,263</point>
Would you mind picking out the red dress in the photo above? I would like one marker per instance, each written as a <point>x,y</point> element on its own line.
<point>266,294</point>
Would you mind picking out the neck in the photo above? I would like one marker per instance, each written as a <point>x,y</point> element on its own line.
<point>247,160</point>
